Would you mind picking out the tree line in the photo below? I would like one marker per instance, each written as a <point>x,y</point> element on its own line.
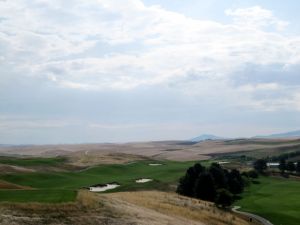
<point>284,156</point>
<point>214,183</point>
<point>260,165</point>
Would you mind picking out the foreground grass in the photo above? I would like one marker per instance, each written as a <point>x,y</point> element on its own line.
<point>276,199</point>
<point>60,186</point>
<point>178,206</point>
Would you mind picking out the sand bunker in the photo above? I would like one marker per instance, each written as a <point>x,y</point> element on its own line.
<point>155,164</point>
<point>105,187</point>
<point>223,162</point>
<point>143,180</point>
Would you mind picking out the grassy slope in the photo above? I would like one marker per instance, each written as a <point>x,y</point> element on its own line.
<point>276,199</point>
<point>51,195</point>
<point>31,161</point>
<point>62,182</point>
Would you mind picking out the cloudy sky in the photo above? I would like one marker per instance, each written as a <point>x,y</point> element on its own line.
<point>130,70</point>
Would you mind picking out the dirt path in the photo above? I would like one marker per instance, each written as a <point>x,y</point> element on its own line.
<point>252,216</point>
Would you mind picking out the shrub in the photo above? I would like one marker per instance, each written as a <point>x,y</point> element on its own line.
<point>260,165</point>
<point>253,174</point>
<point>224,198</point>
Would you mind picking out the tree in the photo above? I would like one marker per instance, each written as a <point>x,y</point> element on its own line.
<point>298,167</point>
<point>282,165</point>
<point>260,165</point>
<point>252,174</point>
<point>203,183</point>
<point>224,198</point>
<point>187,183</point>
<point>218,174</point>
<point>205,187</point>
<point>290,166</point>
<point>235,182</point>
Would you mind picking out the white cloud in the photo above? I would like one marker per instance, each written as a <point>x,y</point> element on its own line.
<point>59,41</point>
<point>256,17</point>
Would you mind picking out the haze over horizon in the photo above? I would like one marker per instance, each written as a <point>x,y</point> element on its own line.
<point>116,71</point>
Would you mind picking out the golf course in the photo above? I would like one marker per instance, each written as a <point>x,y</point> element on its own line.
<point>62,186</point>
<point>276,199</point>
<point>55,180</point>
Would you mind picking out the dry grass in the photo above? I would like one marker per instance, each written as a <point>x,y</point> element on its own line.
<point>89,209</point>
<point>140,208</point>
<point>182,207</point>
<point>91,154</point>
<point>90,158</point>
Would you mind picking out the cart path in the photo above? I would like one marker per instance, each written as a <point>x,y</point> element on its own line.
<point>253,216</point>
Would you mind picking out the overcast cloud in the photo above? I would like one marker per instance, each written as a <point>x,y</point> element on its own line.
<point>110,70</point>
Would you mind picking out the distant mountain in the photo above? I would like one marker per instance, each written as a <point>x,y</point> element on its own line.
<point>205,137</point>
<point>5,145</point>
<point>292,134</point>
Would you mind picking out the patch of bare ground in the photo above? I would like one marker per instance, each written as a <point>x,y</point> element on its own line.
<point>88,158</point>
<point>7,169</point>
<point>130,208</point>
<point>8,185</point>
<point>4,168</point>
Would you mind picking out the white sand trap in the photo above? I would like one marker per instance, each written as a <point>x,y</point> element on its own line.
<point>143,180</point>
<point>223,162</point>
<point>104,187</point>
<point>155,164</point>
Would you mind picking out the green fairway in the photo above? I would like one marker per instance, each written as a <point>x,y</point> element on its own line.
<point>44,196</point>
<point>62,182</point>
<point>276,199</point>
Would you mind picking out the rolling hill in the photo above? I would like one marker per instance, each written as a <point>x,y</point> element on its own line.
<point>205,137</point>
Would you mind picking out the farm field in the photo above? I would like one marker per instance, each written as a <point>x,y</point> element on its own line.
<point>61,186</point>
<point>34,161</point>
<point>276,199</point>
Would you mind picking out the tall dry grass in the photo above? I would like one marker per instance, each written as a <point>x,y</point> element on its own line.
<point>179,206</point>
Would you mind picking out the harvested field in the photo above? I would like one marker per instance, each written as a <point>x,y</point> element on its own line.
<point>93,154</point>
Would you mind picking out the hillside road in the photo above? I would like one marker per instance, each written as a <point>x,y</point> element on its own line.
<point>253,216</point>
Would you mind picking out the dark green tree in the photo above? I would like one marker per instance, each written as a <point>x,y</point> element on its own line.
<point>235,182</point>
<point>187,183</point>
<point>203,183</point>
<point>260,165</point>
<point>205,187</point>
<point>290,166</point>
<point>219,176</point>
<point>224,198</point>
<point>282,165</point>
<point>298,167</point>
<point>252,174</point>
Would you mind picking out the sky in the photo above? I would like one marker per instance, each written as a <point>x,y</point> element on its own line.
<point>130,70</point>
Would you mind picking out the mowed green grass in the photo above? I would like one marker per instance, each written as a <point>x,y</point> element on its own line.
<point>62,182</point>
<point>42,196</point>
<point>276,199</point>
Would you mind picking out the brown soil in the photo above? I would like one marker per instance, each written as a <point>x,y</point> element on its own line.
<point>8,185</point>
